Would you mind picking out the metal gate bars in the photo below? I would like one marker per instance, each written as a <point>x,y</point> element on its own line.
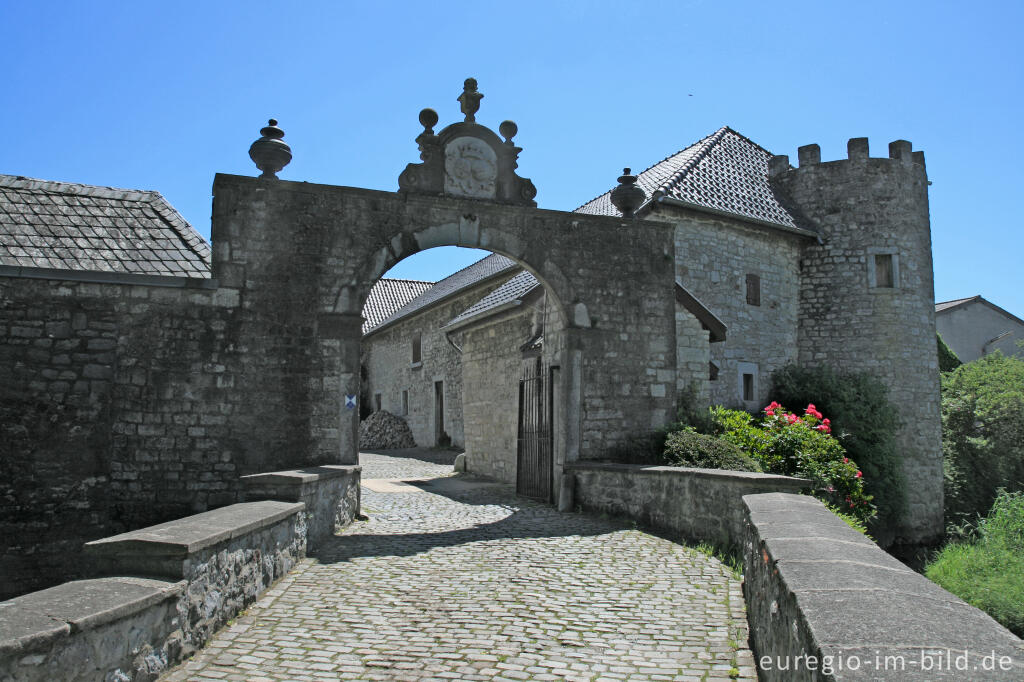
<point>534,443</point>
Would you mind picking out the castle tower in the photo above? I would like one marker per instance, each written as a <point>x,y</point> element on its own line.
<point>867,300</point>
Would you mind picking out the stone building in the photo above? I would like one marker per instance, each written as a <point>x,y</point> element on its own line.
<point>143,372</point>
<point>750,270</point>
<point>973,327</point>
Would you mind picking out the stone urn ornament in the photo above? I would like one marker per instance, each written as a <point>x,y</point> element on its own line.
<point>270,153</point>
<point>628,196</point>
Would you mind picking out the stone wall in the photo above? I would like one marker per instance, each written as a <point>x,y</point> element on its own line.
<point>699,505</point>
<point>866,208</point>
<point>693,353</point>
<point>713,258</point>
<point>387,357</point>
<point>206,569</point>
<point>826,603</point>
<point>110,396</point>
<point>492,366</point>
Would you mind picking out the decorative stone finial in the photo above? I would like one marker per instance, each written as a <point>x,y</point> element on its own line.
<point>469,100</point>
<point>428,119</point>
<point>270,153</point>
<point>628,196</point>
<point>508,130</point>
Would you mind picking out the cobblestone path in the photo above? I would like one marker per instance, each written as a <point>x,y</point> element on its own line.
<point>459,579</point>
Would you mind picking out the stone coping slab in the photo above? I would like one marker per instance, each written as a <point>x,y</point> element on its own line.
<point>819,590</point>
<point>651,470</point>
<point>304,476</point>
<point>36,620</point>
<point>183,537</point>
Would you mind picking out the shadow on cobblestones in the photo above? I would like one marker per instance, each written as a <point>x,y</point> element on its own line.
<point>501,516</point>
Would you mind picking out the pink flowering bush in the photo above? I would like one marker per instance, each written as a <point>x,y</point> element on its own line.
<point>783,442</point>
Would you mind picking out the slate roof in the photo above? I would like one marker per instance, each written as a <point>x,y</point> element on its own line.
<point>724,172</point>
<point>67,226</point>
<point>946,305</point>
<point>387,296</point>
<point>510,291</point>
<point>479,271</point>
<point>955,303</point>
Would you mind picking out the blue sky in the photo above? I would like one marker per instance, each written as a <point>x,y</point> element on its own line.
<point>163,95</point>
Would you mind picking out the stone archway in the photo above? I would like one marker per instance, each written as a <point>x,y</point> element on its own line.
<point>303,257</point>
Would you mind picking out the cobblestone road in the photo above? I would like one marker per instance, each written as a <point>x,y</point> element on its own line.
<point>460,579</point>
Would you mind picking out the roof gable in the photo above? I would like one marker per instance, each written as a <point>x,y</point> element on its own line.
<point>725,172</point>
<point>946,306</point>
<point>66,226</point>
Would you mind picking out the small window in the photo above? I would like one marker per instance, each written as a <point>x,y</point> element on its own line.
<point>376,401</point>
<point>883,271</point>
<point>405,403</point>
<point>746,382</point>
<point>416,348</point>
<point>883,268</point>
<point>753,290</point>
<point>712,372</point>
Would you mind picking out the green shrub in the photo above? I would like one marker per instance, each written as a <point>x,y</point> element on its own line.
<point>691,449</point>
<point>948,361</point>
<point>982,434</point>
<point>783,443</point>
<point>864,421</point>
<point>989,572</point>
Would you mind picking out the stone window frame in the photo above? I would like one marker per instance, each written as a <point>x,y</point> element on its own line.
<point>416,350</point>
<point>743,370</point>
<point>753,281</point>
<point>405,402</point>
<point>872,253</point>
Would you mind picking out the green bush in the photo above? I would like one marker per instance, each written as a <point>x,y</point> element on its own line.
<point>691,449</point>
<point>864,421</point>
<point>948,361</point>
<point>784,443</point>
<point>989,572</point>
<point>982,434</point>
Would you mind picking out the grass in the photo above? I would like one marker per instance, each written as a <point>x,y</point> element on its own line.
<point>988,570</point>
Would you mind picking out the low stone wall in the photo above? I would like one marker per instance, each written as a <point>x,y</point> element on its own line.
<point>702,505</point>
<point>200,572</point>
<point>330,493</point>
<point>826,603</point>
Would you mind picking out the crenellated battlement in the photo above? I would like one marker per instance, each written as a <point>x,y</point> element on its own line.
<point>856,151</point>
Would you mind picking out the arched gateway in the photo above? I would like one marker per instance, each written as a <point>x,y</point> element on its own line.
<point>303,257</point>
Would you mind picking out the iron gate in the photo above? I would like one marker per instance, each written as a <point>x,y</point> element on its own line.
<point>533,447</point>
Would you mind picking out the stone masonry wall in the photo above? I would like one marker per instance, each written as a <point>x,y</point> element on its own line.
<point>492,367</point>
<point>693,353</point>
<point>713,258</point>
<point>866,206</point>
<point>109,396</point>
<point>387,357</point>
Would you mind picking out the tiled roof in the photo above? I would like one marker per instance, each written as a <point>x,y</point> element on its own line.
<point>512,290</point>
<point>724,172</point>
<point>946,305</point>
<point>67,226</point>
<point>387,296</point>
<point>451,285</point>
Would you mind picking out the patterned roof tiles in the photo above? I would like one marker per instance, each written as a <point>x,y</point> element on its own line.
<point>510,291</point>
<point>66,226</point>
<point>479,271</point>
<point>724,172</point>
<point>387,296</point>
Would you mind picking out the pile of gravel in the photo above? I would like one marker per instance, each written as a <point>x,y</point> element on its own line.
<point>384,431</point>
